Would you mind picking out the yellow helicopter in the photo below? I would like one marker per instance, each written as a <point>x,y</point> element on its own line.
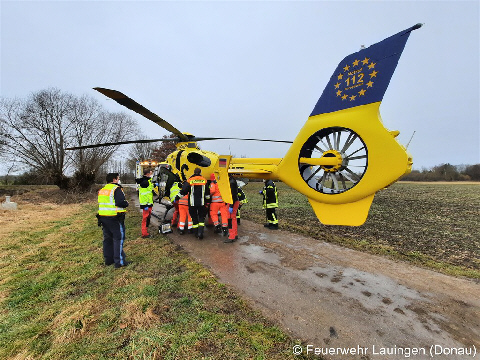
<point>340,158</point>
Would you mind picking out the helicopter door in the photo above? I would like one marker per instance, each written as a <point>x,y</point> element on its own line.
<point>166,179</point>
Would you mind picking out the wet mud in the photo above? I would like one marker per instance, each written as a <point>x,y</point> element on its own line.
<point>329,296</point>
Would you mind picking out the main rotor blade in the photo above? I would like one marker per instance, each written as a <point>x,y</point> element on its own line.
<point>193,139</point>
<point>131,104</point>
<point>119,143</point>
<point>228,138</point>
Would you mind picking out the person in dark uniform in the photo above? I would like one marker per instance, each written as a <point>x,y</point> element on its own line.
<point>198,197</point>
<point>270,203</point>
<point>111,216</point>
<point>242,199</point>
<point>232,212</point>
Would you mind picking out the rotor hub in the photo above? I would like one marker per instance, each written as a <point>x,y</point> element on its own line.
<point>338,164</point>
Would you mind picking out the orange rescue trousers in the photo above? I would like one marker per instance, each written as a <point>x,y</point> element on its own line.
<point>232,221</point>
<point>183,216</point>
<point>146,214</point>
<point>215,207</point>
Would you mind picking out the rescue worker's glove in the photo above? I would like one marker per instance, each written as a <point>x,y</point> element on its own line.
<point>260,192</point>
<point>230,209</point>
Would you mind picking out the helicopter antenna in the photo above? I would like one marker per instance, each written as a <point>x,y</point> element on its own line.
<point>410,139</point>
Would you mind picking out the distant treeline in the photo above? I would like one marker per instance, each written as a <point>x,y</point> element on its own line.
<point>446,172</point>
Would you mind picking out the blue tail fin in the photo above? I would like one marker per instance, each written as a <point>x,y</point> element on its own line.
<point>363,77</point>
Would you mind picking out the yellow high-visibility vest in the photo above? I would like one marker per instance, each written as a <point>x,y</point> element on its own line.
<point>174,190</point>
<point>106,201</point>
<point>145,195</point>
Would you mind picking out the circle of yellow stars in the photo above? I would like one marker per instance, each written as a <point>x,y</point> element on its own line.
<point>356,74</point>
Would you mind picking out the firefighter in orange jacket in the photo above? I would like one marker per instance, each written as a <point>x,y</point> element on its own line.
<point>198,195</point>
<point>217,204</point>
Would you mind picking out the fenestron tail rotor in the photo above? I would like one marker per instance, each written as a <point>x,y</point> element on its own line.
<point>349,157</point>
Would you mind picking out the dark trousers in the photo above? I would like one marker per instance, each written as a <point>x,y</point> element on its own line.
<point>113,239</point>
<point>271,216</point>
<point>198,214</point>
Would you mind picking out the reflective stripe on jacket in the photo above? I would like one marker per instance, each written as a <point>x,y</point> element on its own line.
<point>106,201</point>
<point>183,200</point>
<point>145,195</point>
<point>197,190</point>
<point>174,190</point>
<point>215,193</point>
<point>242,197</point>
<point>270,195</point>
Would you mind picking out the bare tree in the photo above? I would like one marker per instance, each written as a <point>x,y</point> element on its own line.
<point>151,151</point>
<point>37,130</point>
<point>93,125</point>
<point>140,151</point>
<point>3,131</point>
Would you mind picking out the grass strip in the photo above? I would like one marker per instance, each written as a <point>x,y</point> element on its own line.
<point>58,300</point>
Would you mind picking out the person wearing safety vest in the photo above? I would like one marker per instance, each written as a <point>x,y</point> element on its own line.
<point>242,199</point>
<point>183,213</point>
<point>217,205</point>
<point>198,196</point>
<point>232,212</point>
<point>270,203</point>
<point>111,216</point>
<point>174,190</point>
<point>145,197</point>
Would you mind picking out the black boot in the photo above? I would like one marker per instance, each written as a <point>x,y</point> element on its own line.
<point>225,231</point>
<point>200,233</point>
<point>218,229</point>
<point>238,221</point>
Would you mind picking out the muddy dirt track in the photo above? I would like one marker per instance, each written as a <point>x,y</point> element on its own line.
<point>335,299</point>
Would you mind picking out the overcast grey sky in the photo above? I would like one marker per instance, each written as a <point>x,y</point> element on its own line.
<point>252,68</point>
